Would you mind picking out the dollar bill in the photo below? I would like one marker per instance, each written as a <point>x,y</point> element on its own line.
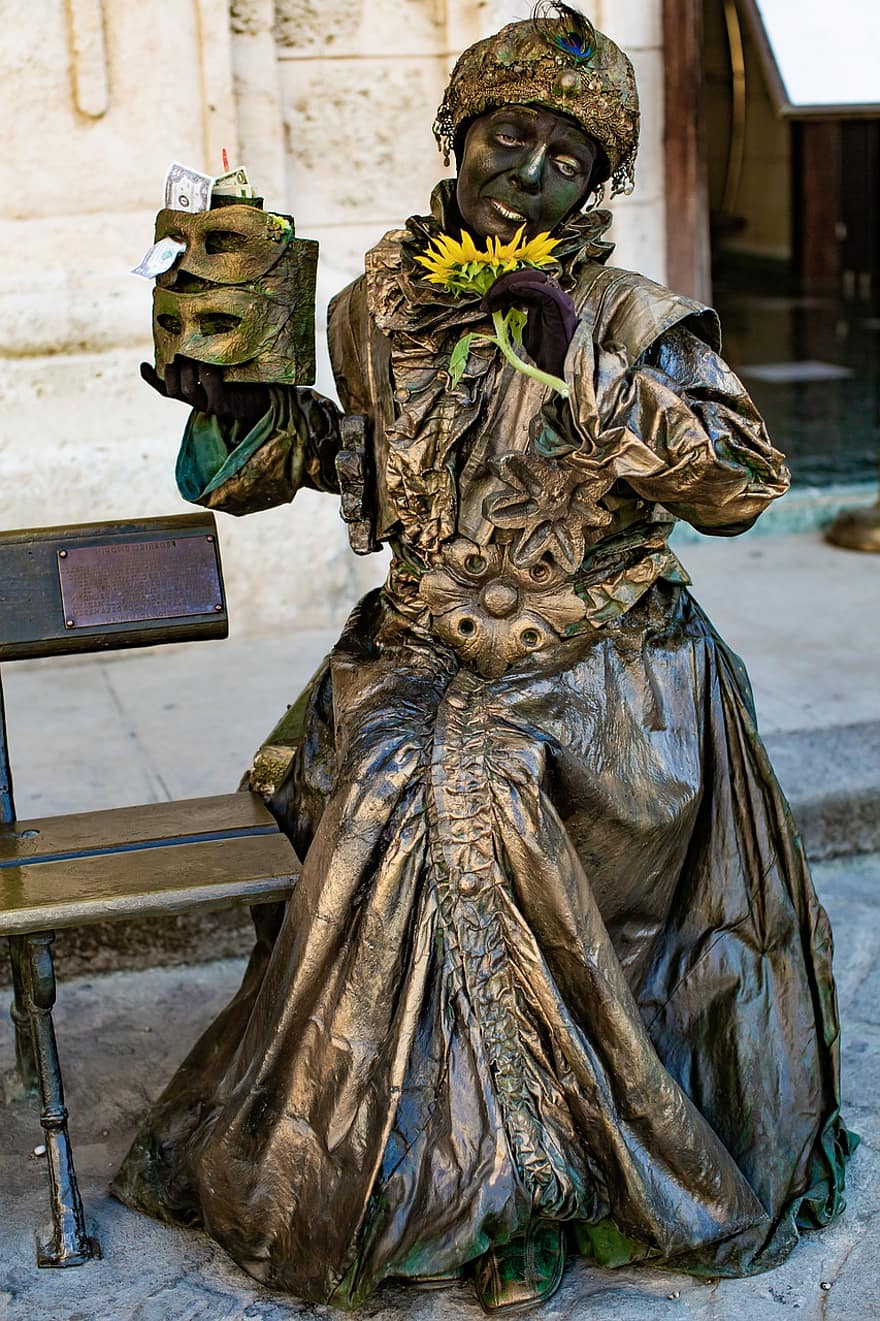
<point>186,189</point>
<point>159,258</point>
<point>234,183</point>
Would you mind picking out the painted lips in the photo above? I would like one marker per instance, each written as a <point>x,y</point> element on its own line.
<point>506,212</point>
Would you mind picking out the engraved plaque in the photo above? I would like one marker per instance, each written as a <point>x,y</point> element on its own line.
<point>135,581</point>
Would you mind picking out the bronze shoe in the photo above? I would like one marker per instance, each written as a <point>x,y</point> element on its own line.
<point>525,1271</point>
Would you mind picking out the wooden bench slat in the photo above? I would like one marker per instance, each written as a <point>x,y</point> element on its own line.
<point>156,882</point>
<point>121,826</point>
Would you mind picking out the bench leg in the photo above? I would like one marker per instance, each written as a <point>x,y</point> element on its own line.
<point>25,1063</point>
<point>70,1245</point>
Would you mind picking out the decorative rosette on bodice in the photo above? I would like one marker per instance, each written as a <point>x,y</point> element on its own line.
<point>497,604</point>
<point>493,612</point>
<point>550,509</point>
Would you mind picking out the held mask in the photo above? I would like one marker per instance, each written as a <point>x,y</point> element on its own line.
<point>242,295</point>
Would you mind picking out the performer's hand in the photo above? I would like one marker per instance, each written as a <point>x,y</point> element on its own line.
<point>552,315</point>
<point>202,386</point>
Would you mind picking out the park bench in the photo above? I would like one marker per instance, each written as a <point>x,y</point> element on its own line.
<point>93,588</point>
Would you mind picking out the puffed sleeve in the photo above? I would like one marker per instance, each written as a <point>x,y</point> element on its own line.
<point>239,470</point>
<point>678,428</point>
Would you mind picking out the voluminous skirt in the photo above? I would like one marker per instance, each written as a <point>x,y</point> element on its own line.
<point>554,953</point>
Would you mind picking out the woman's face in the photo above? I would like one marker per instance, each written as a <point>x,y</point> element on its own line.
<point>522,165</point>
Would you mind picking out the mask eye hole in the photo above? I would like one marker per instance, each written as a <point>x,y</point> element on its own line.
<point>170,323</point>
<point>218,323</point>
<point>224,240</point>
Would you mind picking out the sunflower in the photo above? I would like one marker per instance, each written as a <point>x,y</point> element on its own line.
<point>462,267</point>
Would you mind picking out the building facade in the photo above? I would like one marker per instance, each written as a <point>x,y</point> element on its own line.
<point>330,104</point>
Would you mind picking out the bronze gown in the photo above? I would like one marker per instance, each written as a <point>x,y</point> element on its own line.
<point>555,951</point>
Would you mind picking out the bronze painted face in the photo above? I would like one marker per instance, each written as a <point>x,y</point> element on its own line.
<point>240,296</point>
<point>522,165</point>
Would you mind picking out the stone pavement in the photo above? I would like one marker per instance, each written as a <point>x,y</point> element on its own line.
<point>122,1035</point>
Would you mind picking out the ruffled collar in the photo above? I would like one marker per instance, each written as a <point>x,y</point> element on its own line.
<point>402,300</point>
<point>422,321</point>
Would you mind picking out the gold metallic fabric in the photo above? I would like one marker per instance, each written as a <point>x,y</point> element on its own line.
<point>554,956</point>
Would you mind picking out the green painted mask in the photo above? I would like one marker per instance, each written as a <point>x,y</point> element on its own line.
<point>242,295</point>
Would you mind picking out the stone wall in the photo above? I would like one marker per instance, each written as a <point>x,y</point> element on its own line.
<point>330,103</point>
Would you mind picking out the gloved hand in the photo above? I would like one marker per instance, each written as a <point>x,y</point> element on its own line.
<point>552,316</point>
<point>202,386</point>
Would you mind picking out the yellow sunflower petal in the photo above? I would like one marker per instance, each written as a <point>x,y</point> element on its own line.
<point>444,249</point>
<point>539,250</point>
<point>460,264</point>
<point>469,249</point>
<point>509,251</point>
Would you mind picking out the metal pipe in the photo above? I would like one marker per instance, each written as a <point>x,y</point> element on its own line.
<point>7,802</point>
<point>736,153</point>
<point>25,1058</point>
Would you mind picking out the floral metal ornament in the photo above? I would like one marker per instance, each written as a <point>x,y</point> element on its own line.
<point>551,508</point>
<point>493,613</point>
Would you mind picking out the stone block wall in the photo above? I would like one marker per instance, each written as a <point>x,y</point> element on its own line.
<point>330,104</point>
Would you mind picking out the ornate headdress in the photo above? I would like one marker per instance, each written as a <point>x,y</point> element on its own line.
<point>556,59</point>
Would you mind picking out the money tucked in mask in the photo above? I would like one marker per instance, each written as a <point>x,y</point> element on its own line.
<point>240,296</point>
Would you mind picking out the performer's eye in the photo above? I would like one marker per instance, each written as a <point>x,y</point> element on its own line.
<point>508,139</point>
<point>567,167</point>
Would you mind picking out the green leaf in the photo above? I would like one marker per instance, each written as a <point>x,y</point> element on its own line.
<point>516,324</point>
<point>458,360</point>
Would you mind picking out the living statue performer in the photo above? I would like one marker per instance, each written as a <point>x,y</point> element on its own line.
<point>554,977</point>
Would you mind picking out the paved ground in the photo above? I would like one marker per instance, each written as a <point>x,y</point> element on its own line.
<point>122,1036</point>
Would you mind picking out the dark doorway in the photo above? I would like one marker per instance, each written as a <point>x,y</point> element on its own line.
<point>794,236</point>
<point>836,211</point>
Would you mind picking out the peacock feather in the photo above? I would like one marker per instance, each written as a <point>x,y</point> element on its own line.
<point>565,28</point>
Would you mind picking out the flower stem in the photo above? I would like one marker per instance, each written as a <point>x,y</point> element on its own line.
<point>499,320</point>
